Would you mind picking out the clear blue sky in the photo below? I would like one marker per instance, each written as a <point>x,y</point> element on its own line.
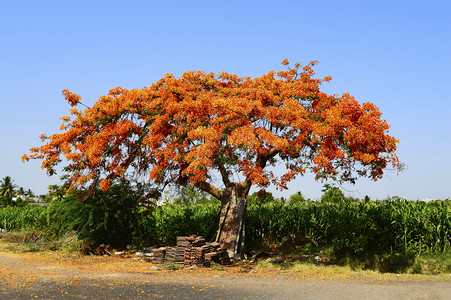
<point>396,54</point>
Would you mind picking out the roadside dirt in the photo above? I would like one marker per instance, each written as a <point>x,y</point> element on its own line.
<point>54,275</point>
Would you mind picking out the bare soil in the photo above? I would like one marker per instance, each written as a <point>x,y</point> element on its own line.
<point>57,275</point>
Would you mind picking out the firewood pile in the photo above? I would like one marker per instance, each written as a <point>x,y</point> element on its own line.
<point>192,251</point>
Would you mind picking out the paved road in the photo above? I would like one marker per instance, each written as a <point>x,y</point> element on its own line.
<point>154,287</point>
<point>28,278</point>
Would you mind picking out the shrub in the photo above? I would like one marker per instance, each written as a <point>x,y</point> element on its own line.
<point>110,217</point>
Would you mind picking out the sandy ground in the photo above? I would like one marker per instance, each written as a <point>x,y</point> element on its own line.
<point>58,276</point>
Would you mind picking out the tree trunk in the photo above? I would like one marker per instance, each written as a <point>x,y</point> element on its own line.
<point>230,233</point>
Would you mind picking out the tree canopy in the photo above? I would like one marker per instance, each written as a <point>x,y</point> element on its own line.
<point>180,130</point>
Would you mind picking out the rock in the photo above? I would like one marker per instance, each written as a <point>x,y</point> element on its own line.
<point>154,268</point>
<point>318,261</point>
<point>193,267</point>
<point>278,260</point>
<point>119,253</point>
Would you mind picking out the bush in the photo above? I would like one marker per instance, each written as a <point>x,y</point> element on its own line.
<point>296,198</point>
<point>110,217</point>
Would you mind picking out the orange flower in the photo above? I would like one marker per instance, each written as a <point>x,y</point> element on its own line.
<point>72,98</point>
<point>183,128</point>
<point>105,184</point>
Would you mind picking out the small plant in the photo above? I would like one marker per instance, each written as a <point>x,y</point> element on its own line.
<point>170,265</point>
<point>216,266</point>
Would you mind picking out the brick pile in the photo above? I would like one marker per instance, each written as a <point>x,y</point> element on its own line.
<point>219,256</point>
<point>159,255</point>
<point>193,251</point>
<point>170,253</point>
<point>179,257</point>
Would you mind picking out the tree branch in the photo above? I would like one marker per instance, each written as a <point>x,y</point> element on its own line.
<point>209,188</point>
<point>223,171</point>
<point>261,162</point>
<point>246,186</point>
<point>263,159</point>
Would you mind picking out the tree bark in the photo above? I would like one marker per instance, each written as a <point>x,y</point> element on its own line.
<point>231,231</point>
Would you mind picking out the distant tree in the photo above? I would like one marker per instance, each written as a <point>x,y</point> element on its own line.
<point>353,199</point>
<point>261,197</point>
<point>30,193</point>
<point>189,194</point>
<point>7,189</point>
<point>21,191</point>
<point>20,202</point>
<point>192,128</point>
<point>297,198</point>
<point>332,194</point>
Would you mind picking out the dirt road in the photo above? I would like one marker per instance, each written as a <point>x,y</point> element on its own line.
<point>56,276</point>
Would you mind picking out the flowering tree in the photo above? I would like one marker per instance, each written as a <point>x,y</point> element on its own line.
<point>201,126</point>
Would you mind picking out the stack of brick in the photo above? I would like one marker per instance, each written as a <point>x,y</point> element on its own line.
<point>180,250</point>
<point>217,255</point>
<point>201,254</point>
<point>192,251</point>
<point>159,255</point>
<point>196,241</point>
<point>170,254</point>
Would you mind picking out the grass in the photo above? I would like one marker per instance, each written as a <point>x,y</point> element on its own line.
<point>432,265</point>
<point>35,241</point>
<point>397,264</point>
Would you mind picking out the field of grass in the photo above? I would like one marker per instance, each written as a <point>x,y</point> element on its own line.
<point>387,236</point>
